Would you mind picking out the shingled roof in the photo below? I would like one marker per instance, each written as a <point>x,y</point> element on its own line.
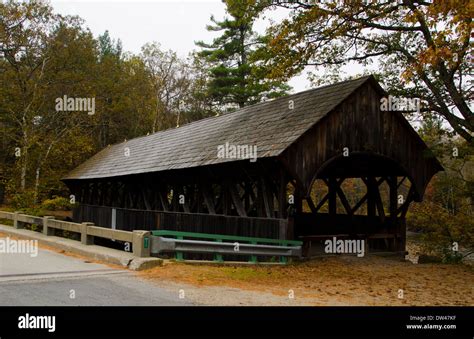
<point>271,126</point>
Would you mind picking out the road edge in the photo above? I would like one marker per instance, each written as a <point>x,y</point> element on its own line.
<point>99,253</point>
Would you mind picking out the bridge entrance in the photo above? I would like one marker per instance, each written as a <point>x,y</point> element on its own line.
<point>360,196</point>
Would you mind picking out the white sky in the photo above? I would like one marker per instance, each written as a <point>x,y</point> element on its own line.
<point>176,25</point>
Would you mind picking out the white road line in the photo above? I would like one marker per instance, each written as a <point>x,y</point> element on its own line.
<point>59,275</point>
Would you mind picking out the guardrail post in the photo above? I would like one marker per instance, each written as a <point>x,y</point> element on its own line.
<point>284,259</point>
<point>218,257</point>
<point>253,258</point>
<point>17,224</point>
<point>47,230</point>
<point>85,238</point>
<point>179,255</point>
<point>141,243</point>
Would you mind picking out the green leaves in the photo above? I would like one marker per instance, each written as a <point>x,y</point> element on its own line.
<point>236,79</point>
<point>58,57</point>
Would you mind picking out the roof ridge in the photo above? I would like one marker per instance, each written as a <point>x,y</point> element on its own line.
<point>248,107</point>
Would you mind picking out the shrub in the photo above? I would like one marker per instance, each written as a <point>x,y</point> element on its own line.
<point>23,200</point>
<point>440,230</point>
<point>57,204</point>
<point>36,211</point>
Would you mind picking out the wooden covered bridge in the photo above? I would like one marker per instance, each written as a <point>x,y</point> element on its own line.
<point>308,145</point>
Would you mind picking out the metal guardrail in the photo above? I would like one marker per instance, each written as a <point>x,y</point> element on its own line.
<point>220,245</point>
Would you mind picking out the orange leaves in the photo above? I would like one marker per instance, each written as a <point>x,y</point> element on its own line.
<point>457,9</point>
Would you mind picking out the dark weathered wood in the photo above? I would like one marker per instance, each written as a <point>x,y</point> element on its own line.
<point>322,202</point>
<point>379,203</point>
<point>343,198</point>
<point>401,182</point>
<point>164,200</point>
<point>311,205</point>
<point>371,195</point>
<point>404,207</point>
<point>226,205</point>
<point>282,198</point>
<point>187,197</point>
<point>374,139</point>
<point>236,199</point>
<point>332,187</point>
<point>179,221</point>
<point>208,199</point>
<point>393,198</point>
<point>145,199</point>
<point>298,196</point>
<point>267,199</point>
<point>365,196</point>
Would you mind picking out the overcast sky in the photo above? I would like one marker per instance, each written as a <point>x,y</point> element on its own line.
<point>175,24</point>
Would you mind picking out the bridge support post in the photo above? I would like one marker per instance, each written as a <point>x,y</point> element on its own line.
<point>283,229</point>
<point>141,243</point>
<point>46,230</point>
<point>85,238</point>
<point>17,224</point>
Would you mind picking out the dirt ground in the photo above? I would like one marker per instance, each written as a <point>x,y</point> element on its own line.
<point>339,280</point>
<point>325,281</point>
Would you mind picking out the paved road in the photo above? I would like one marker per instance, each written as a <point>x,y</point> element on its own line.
<point>53,279</point>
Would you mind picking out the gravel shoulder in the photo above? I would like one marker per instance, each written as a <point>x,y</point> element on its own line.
<point>328,281</point>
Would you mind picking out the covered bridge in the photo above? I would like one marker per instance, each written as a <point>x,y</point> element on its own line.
<point>178,179</point>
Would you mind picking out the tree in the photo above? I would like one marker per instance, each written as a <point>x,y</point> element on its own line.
<point>24,32</point>
<point>234,78</point>
<point>71,62</point>
<point>45,57</point>
<point>109,47</point>
<point>445,217</point>
<point>124,95</point>
<point>197,104</point>
<point>178,87</point>
<point>423,48</point>
<point>169,81</point>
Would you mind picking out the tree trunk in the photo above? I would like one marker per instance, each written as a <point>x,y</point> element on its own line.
<point>24,163</point>
<point>37,179</point>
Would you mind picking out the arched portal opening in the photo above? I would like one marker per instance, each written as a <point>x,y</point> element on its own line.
<point>363,196</point>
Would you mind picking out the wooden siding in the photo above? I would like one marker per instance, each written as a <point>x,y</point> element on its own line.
<point>385,138</point>
<point>130,219</point>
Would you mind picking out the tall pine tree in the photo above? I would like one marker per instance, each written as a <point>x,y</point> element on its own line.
<point>235,79</point>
